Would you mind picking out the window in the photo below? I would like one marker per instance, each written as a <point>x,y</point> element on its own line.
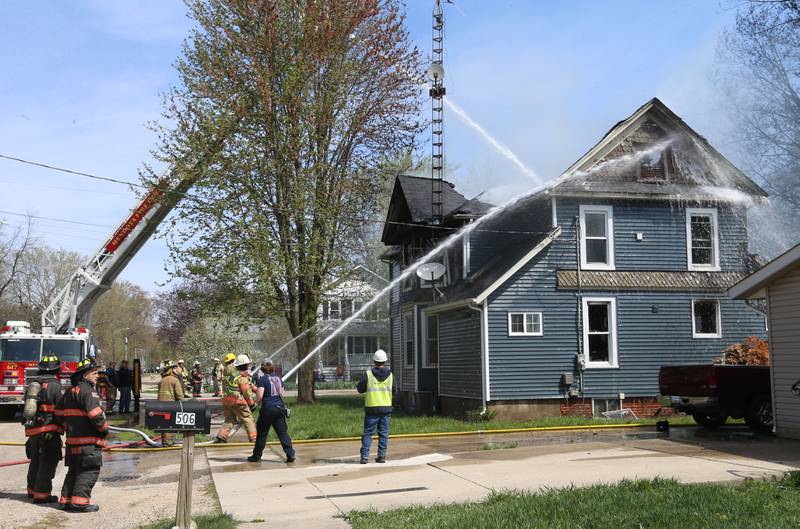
<point>651,167</point>
<point>604,405</point>
<point>357,305</point>
<point>347,308</point>
<point>408,338</point>
<point>701,239</point>
<point>600,332</point>
<point>597,237</point>
<point>334,310</point>
<point>431,341</point>
<point>706,321</point>
<point>524,323</point>
<point>465,254</point>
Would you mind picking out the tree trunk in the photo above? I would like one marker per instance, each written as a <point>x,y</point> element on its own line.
<point>305,381</point>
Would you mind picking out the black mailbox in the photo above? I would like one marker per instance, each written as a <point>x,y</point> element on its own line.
<point>189,416</point>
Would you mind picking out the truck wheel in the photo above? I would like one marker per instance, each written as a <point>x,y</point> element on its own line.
<point>710,420</point>
<point>759,414</point>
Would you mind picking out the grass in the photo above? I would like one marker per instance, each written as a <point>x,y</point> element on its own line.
<point>343,416</point>
<point>211,521</point>
<point>330,384</point>
<point>657,504</point>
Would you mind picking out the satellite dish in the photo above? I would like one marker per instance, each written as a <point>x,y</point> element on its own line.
<point>431,271</point>
<point>435,72</point>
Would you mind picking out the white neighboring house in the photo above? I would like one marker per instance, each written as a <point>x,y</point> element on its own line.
<point>353,348</point>
<point>779,283</point>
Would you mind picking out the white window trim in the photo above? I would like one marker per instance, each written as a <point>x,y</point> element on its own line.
<point>609,212</point>
<point>717,334</point>
<point>425,362</point>
<point>613,362</point>
<point>712,212</point>
<point>405,330</point>
<point>525,333</point>
<point>465,255</point>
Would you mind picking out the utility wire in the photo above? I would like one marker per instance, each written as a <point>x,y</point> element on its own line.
<point>56,220</point>
<point>186,194</point>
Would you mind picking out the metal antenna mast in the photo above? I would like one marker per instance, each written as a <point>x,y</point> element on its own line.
<point>437,92</point>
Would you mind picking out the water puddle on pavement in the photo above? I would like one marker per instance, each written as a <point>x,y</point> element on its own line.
<point>120,468</point>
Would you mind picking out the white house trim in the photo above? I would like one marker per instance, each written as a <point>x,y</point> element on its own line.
<point>711,212</point>
<point>524,314</point>
<point>613,354</point>
<point>701,335</point>
<point>480,298</point>
<point>609,213</point>
<point>754,285</point>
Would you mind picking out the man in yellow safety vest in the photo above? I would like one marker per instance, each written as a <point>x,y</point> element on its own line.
<point>378,386</point>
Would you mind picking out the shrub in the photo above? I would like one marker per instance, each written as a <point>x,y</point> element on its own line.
<point>753,351</point>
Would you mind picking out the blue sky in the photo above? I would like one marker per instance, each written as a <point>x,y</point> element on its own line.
<point>81,79</point>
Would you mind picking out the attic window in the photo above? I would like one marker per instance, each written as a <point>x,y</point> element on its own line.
<point>651,167</point>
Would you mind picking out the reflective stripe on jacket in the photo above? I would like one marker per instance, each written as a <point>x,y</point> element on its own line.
<point>379,393</point>
<point>45,419</point>
<point>237,389</point>
<point>169,389</point>
<point>84,419</point>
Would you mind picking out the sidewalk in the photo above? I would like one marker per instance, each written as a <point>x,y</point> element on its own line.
<point>327,482</point>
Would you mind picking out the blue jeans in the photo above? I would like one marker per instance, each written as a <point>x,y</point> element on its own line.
<point>125,399</point>
<point>370,423</point>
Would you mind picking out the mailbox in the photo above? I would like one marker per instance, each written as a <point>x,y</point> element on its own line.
<point>189,416</point>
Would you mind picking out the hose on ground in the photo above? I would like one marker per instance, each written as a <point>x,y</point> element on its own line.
<point>146,437</point>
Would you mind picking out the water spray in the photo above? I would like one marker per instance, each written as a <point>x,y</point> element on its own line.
<point>466,230</point>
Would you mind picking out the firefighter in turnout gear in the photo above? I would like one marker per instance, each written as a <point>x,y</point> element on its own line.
<point>169,389</point>
<point>228,368</point>
<point>216,377</point>
<point>238,403</point>
<point>43,430</point>
<point>86,427</point>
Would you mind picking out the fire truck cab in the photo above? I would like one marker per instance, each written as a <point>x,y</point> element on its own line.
<point>21,350</point>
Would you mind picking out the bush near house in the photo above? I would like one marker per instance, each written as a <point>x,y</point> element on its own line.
<point>753,351</point>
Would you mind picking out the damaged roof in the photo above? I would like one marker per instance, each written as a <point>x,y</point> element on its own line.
<point>694,168</point>
<point>411,203</point>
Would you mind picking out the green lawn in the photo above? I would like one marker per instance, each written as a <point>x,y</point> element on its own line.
<point>658,504</point>
<point>213,521</point>
<point>343,416</point>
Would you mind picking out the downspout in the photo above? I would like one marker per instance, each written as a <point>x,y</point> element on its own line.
<point>579,303</point>
<point>484,352</point>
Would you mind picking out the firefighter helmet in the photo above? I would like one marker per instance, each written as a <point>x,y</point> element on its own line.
<point>166,365</point>
<point>230,357</point>
<point>86,365</point>
<point>49,363</point>
<point>242,360</point>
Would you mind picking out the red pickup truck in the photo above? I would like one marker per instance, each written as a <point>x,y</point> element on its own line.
<point>712,393</point>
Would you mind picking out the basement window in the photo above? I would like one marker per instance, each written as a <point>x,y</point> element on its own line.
<point>525,324</point>
<point>599,406</point>
<point>706,319</point>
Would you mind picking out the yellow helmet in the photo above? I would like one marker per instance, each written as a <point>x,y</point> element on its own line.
<point>230,357</point>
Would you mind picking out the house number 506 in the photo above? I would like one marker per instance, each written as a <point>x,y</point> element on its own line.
<point>184,419</point>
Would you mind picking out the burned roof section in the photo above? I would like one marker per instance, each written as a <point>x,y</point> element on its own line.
<point>411,204</point>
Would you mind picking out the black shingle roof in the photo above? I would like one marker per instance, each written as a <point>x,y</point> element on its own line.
<point>418,190</point>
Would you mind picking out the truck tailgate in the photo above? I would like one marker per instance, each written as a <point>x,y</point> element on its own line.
<point>688,381</point>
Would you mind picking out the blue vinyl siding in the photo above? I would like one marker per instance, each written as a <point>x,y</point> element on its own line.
<point>460,354</point>
<point>529,367</point>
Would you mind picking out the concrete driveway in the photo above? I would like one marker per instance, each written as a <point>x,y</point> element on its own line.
<point>326,481</point>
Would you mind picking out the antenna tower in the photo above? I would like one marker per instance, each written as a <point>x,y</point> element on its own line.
<point>437,92</point>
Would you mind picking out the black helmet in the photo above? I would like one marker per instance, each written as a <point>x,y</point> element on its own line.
<point>87,364</point>
<point>49,363</point>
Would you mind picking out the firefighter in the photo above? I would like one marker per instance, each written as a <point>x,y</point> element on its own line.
<point>169,389</point>
<point>238,403</point>
<point>197,379</point>
<point>228,368</point>
<point>86,427</point>
<point>43,430</point>
<point>183,376</point>
<point>216,377</point>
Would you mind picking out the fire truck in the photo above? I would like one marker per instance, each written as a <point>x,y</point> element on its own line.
<point>67,320</point>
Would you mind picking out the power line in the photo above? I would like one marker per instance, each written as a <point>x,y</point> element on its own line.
<point>56,220</point>
<point>70,171</point>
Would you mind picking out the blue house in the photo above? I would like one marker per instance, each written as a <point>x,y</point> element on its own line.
<point>569,301</point>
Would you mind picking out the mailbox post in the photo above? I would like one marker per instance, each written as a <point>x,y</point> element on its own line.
<point>188,418</point>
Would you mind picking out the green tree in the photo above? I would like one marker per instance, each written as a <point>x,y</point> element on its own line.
<point>327,93</point>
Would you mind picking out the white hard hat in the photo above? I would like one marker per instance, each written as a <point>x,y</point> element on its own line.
<point>380,356</point>
<point>242,360</point>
